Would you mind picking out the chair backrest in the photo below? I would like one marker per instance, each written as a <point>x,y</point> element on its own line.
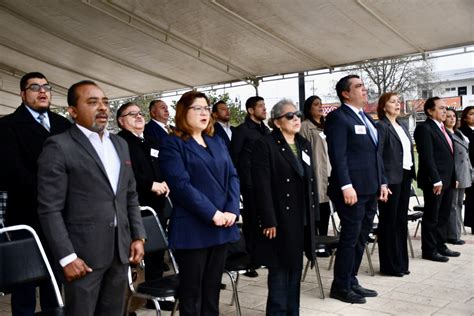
<point>20,262</point>
<point>23,259</point>
<point>156,237</point>
<point>413,194</point>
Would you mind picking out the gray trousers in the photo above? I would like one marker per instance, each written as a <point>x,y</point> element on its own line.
<point>454,226</point>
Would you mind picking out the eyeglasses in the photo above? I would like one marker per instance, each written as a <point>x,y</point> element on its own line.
<point>133,114</point>
<point>290,115</point>
<point>37,87</point>
<point>201,109</point>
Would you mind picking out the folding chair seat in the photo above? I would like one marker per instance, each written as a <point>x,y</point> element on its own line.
<point>164,289</point>
<point>22,260</point>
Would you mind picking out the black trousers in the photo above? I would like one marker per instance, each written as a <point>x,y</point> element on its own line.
<point>200,275</point>
<point>23,298</point>
<point>469,208</point>
<point>249,217</point>
<point>283,291</point>
<point>323,223</point>
<point>435,219</point>
<point>356,223</point>
<point>393,228</point>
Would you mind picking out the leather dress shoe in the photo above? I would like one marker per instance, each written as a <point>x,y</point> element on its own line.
<point>456,241</point>
<point>362,291</point>
<point>347,296</point>
<point>449,253</point>
<point>435,257</point>
<point>407,272</point>
<point>394,274</point>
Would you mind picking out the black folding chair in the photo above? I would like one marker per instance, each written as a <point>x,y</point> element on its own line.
<point>322,243</point>
<point>23,260</point>
<point>162,289</point>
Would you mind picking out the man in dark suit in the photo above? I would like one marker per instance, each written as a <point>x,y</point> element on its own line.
<point>241,147</point>
<point>22,137</point>
<point>151,188</point>
<point>88,206</point>
<point>222,127</point>
<point>356,178</point>
<point>436,178</point>
<point>158,127</point>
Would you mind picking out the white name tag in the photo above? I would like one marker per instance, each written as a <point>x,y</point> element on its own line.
<point>154,152</point>
<point>322,135</point>
<point>360,129</point>
<point>306,158</point>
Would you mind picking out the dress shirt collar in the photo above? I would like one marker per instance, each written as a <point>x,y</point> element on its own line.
<point>90,133</point>
<point>35,114</point>
<point>163,126</point>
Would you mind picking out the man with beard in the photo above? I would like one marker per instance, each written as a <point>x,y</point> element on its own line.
<point>241,147</point>
<point>222,127</point>
<point>22,136</point>
<point>88,206</point>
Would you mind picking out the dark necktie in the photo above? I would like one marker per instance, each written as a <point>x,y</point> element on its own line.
<point>41,119</point>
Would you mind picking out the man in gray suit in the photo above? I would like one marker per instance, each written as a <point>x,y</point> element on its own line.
<point>88,206</point>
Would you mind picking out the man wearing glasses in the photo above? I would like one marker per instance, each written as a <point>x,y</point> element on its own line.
<point>22,137</point>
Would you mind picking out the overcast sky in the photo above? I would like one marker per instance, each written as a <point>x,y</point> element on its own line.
<point>323,85</point>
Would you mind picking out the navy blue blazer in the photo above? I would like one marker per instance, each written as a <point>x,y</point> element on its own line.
<point>202,181</point>
<point>354,156</point>
<point>155,132</point>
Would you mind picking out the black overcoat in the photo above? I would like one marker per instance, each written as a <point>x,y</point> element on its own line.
<point>286,198</point>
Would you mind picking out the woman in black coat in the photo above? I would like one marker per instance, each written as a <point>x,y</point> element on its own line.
<point>396,149</point>
<point>467,128</point>
<point>287,204</point>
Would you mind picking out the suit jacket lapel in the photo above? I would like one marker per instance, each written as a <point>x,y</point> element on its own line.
<point>440,133</point>
<point>391,129</point>
<point>210,159</point>
<point>25,118</point>
<point>351,113</point>
<point>82,140</point>
<point>286,152</point>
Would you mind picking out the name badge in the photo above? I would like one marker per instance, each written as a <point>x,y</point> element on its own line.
<point>154,152</point>
<point>360,129</point>
<point>305,158</point>
<point>322,135</point>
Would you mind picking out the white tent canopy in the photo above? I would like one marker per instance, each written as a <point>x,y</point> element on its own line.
<point>141,47</point>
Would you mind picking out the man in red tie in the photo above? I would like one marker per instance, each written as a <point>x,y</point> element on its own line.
<point>436,179</point>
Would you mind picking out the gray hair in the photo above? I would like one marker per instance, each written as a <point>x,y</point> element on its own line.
<point>277,110</point>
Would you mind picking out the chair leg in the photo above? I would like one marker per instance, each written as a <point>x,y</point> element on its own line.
<point>237,278</point>
<point>318,276</point>
<point>464,232</point>
<point>305,271</point>
<point>234,278</point>
<point>157,307</point>
<point>369,259</point>
<point>376,238</point>
<point>331,260</point>
<point>175,307</point>
<point>410,245</point>
<point>416,229</point>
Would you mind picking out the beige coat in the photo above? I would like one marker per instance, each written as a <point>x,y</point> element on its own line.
<point>320,158</point>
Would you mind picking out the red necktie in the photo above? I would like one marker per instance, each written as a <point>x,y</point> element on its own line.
<point>448,139</point>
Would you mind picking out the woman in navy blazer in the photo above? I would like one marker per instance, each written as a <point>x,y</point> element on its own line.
<point>205,194</point>
<point>396,149</point>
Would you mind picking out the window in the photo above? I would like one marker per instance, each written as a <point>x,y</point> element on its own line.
<point>425,94</point>
<point>462,90</point>
<point>451,89</point>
